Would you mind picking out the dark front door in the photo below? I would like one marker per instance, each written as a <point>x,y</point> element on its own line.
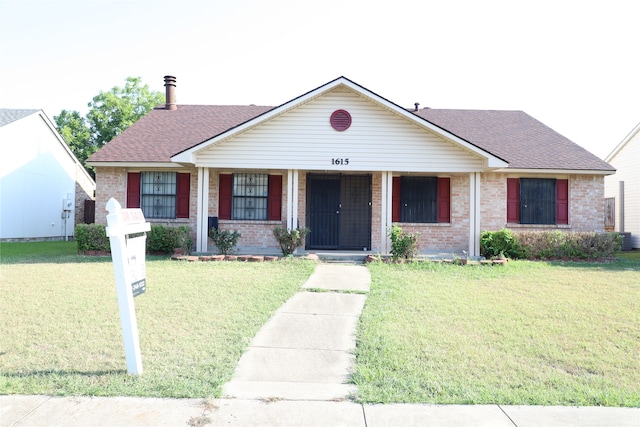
<point>339,212</point>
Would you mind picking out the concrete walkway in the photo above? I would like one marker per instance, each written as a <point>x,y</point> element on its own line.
<point>305,351</point>
<point>294,374</point>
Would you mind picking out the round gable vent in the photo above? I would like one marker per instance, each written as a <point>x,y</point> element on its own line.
<point>340,120</point>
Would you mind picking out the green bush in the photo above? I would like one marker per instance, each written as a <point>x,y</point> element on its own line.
<point>91,237</point>
<point>164,239</point>
<point>403,245</point>
<point>501,243</point>
<point>290,239</point>
<point>224,240</point>
<point>549,244</point>
<point>558,244</point>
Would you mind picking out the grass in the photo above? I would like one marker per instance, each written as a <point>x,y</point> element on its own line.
<point>530,333</point>
<point>61,327</point>
<point>524,333</point>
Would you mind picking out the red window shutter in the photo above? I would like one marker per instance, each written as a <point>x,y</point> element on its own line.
<point>396,201</point>
<point>133,190</point>
<point>225,197</point>
<point>513,200</point>
<point>444,200</point>
<point>275,197</point>
<point>183,192</point>
<point>562,201</point>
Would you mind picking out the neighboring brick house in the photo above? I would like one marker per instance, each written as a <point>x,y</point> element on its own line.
<point>348,163</point>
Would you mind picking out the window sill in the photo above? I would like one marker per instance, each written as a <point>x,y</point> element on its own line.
<point>168,220</point>
<point>248,221</point>
<point>540,226</point>
<point>424,224</point>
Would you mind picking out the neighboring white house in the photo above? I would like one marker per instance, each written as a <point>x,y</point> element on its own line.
<point>624,186</point>
<point>43,186</point>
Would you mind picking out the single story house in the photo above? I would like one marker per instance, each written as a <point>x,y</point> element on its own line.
<point>624,187</point>
<point>43,185</point>
<point>348,163</point>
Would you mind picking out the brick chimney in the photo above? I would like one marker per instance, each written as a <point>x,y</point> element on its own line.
<point>170,98</point>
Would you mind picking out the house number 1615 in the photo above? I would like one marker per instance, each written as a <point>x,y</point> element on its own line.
<point>340,161</point>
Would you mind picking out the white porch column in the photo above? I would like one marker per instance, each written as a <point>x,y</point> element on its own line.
<point>202,220</point>
<point>292,198</point>
<point>474,214</point>
<point>386,217</point>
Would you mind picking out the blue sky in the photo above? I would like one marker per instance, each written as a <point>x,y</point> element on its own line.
<point>570,64</point>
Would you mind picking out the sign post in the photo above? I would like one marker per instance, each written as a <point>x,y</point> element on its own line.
<point>128,257</point>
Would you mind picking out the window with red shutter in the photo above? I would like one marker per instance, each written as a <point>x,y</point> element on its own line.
<point>275,198</point>
<point>225,196</point>
<point>182,193</point>
<point>562,201</point>
<point>133,190</point>
<point>396,201</point>
<point>513,200</point>
<point>444,200</point>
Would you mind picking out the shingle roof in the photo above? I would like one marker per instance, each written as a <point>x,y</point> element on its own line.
<point>162,133</point>
<point>8,115</point>
<point>514,136</point>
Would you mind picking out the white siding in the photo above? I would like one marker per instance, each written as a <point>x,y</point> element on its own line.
<point>36,174</point>
<point>626,161</point>
<point>377,140</point>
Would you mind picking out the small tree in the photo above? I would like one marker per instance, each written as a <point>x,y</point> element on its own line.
<point>224,240</point>
<point>290,239</point>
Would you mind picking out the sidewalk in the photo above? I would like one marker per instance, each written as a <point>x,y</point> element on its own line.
<point>294,374</point>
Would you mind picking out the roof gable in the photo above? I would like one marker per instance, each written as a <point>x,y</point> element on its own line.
<point>303,138</point>
<point>187,156</point>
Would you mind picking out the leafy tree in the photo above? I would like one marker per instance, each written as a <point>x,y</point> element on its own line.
<point>110,113</point>
<point>75,131</point>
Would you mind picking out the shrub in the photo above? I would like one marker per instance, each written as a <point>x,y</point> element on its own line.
<point>224,240</point>
<point>290,239</point>
<point>91,237</point>
<point>403,245</point>
<point>502,242</point>
<point>549,244</point>
<point>164,239</point>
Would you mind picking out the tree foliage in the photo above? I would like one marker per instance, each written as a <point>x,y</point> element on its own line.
<point>110,113</point>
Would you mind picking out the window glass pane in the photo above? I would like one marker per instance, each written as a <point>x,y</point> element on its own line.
<point>537,201</point>
<point>250,191</point>
<point>158,194</point>
<point>419,199</point>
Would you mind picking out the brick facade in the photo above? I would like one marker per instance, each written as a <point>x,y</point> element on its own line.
<point>586,204</point>
<point>586,210</point>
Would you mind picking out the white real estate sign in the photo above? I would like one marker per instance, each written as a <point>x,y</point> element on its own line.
<point>128,256</point>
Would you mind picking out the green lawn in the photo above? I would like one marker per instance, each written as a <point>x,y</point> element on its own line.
<point>526,333</point>
<point>523,333</point>
<point>61,326</point>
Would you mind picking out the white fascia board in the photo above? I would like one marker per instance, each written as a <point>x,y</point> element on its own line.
<point>187,156</point>
<point>135,165</point>
<point>555,171</point>
<point>623,143</point>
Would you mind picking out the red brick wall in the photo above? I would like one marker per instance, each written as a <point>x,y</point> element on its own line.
<point>586,209</point>
<point>586,204</point>
<point>112,182</point>
<point>447,237</point>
